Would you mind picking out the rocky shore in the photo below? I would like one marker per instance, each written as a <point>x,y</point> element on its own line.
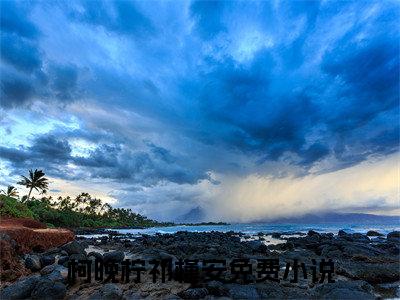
<point>365,266</point>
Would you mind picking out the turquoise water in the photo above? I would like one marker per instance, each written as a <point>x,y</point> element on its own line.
<point>269,228</point>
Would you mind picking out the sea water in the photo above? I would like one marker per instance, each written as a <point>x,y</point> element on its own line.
<point>252,229</point>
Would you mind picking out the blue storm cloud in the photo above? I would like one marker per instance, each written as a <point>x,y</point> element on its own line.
<point>286,81</point>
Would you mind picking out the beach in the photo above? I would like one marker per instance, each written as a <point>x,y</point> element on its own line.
<point>364,265</point>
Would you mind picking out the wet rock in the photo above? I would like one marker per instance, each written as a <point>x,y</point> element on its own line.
<point>48,269</point>
<point>345,290</point>
<point>80,256</point>
<point>62,260</point>
<point>32,262</point>
<point>95,255</point>
<point>330,251</point>
<point>312,232</point>
<point>237,291</point>
<point>374,233</point>
<point>116,256</point>
<point>193,293</point>
<point>217,289</point>
<point>358,237</point>
<point>55,273</point>
<point>149,254</point>
<point>373,273</point>
<point>84,244</point>
<point>256,245</point>
<point>132,295</point>
<point>393,236</point>
<point>276,235</point>
<point>73,247</point>
<point>47,260</point>
<point>351,249</point>
<point>109,291</point>
<point>274,290</point>
<point>22,289</point>
<point>48,289</point>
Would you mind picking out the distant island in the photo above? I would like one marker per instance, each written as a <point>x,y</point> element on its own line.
<point>205,224</point>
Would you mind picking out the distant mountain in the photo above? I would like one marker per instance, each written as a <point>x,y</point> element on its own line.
<point>195,215</point>
<point>336,218</point>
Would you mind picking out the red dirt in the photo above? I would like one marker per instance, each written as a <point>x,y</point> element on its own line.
<point>20,236</point>
<point>31,235</point>
<point>18,222</point>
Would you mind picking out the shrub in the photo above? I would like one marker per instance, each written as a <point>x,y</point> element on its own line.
<point>13,208</point>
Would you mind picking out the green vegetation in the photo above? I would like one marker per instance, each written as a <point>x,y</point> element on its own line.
<point>81,211</point>
<point>13,208</point>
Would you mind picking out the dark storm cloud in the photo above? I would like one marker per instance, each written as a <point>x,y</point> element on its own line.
<point>116,162</point>
<point>56,82</point>
<point>370,77</point>
<point>239,105</point>
<point>64,81</point>
<point>257,108</point>
<point>45,149</point>
<point>139,167</point>
<point>122,17</point>
<point>16,90</point>
<point>208,16</point>
<point>14,18</point>
<point>20,52</point>
<point>27,74</point>
<point>298,82</point>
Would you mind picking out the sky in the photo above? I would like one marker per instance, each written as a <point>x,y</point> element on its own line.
<point>247,110</point>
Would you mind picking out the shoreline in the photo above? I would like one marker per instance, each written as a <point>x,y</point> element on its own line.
<point>366,266</point>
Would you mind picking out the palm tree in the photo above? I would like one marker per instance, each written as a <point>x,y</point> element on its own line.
<point>35,181</point>
<point>11,191</point>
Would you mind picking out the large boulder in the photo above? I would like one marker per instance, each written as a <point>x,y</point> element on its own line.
<point>344,290</point>
<point>116,256</point>
<point>256,245</point>
<point>238,291</point>
<point>73,247</point>
<point>193,293</point>
<point>374,233</point>
<point>393,236</point>
<point>95,255</point>
<point>358,237</point>
<point>48,289</point>
<point>217,289</point>
<point>21,289</point>
<point>109,291</point>
<point>312,232</point>
<point>55,273</point>
<point>373,273</point>
<point>47,260</point>
<point>33,263</point>
<point>63,260</point>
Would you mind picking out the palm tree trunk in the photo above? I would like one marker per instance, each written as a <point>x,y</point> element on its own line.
<point>29,194</point>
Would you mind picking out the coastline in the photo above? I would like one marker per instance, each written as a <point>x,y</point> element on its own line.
<point>365,265</point>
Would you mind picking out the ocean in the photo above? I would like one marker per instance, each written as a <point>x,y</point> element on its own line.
<point>252,229</point>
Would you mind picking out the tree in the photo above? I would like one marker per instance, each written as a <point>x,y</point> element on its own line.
<point>11,191</point>
<point>35,181</point>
